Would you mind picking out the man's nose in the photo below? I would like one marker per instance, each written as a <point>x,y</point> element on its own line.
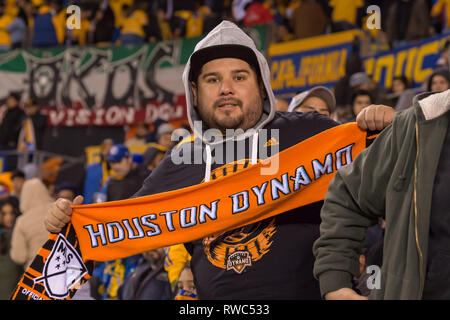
<point>226,87</point>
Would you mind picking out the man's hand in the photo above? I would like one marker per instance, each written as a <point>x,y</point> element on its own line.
<point>59,213</point>
<point>375,117</point>
<point>344,294</point>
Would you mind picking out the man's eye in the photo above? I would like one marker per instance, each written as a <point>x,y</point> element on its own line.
<point>240,78</point>
<point>211,80</point>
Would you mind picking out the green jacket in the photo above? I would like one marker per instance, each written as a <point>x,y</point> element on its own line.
<point>392,179</point>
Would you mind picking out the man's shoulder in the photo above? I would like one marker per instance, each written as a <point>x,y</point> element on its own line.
<point>312,122</point>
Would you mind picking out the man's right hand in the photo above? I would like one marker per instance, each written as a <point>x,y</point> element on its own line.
<point>344,294</point>
<point>59,213</point>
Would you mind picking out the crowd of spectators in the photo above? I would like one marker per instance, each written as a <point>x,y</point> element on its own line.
<point>42,23</point>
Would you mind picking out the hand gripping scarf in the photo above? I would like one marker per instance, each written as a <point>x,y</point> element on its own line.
<point>117,229</point>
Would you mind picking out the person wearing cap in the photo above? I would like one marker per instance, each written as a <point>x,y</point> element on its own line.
<point>128,176</point>
<point>163,135</point>
<point>97,173</point>
<point>319,99</point>
<point>227,85</point>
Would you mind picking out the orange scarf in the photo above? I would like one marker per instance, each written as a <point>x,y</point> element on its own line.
<point>118,229</point>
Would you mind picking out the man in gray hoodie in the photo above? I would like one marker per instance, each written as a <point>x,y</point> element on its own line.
<point>231,110</point>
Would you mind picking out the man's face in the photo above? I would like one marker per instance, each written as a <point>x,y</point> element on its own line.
<point>314,104</point>
<point>11,102</point>
<point>228,95</point>
<point>122,167</point>
<point>17,184</point>
<point>439,84</point>
<point>360,103</point>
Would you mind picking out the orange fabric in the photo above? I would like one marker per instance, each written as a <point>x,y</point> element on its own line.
<point>207,208</point>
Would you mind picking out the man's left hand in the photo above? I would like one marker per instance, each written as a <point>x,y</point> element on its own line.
<point>375,117</point>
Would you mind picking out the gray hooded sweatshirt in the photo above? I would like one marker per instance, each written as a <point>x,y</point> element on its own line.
<point>271,259</point>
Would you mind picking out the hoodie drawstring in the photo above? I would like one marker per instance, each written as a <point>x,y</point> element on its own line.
<point>253,159</point>
<point>208,163</point>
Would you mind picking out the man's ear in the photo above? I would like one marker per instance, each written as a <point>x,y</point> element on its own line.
<point>194,92</point>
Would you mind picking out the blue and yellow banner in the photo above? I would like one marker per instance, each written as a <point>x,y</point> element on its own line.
<point>301,64</point>
<point>416,61</point>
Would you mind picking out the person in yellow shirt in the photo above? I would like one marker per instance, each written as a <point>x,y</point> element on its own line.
<point>133,24</point>
<point>442,7</point>
<point>344,13</point>
<point>5,20</point>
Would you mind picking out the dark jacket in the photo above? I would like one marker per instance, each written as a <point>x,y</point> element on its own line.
<point>392,178</point>
<point>10,127</point>
<point>126,187</point>
<point>146,282</point>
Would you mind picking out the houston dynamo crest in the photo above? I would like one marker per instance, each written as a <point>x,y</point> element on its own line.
<point>63,269</point>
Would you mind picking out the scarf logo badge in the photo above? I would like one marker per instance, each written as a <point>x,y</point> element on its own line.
<point>63,269</point>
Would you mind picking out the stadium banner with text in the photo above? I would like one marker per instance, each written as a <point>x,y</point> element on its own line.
<point>113,86</point>
<point>301,64</point>
<point>416,61</point>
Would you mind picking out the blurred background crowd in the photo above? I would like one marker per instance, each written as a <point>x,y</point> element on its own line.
<point>32,176</point>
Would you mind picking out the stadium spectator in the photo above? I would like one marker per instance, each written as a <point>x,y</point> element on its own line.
<point>344,14</point>
<point>186,289</point>
<point>444,59</point>
<point>17,181</point>
<point>441,10</point>
<point>11,124</point>
<point>164,134</point>
<point>361,99</point>
<point>5,20</point>
<point>33,125</point>
<point>18,29</point>
<point>180,12</point>
<point>140,137</point>
<point>318,99</point>
<point>410,191</point>
<point>399,85</point>
<point>10,272</point>
<point>407,20</point>
<point>29,233</point>
<point>46,29</point>
<point>153,155</point>
<point>149,281</point>
<point>133,25</point>
<point>97,174</point>
<point>439,80</point>
<point>127,178</point>
<point>308,20</point>
<point>256,13</point>
<point>101,30</point>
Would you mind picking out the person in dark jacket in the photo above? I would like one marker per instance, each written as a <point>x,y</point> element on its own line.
<point>11,124</point>
<point>411,162</point>
<point>128,176</point>
<point>149,281</point>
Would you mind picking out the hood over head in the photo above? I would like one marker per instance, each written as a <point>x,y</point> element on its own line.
<point>227,41</point>
<point>34,194</point>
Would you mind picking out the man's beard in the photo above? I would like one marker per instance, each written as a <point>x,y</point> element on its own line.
<point>240,121</point>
